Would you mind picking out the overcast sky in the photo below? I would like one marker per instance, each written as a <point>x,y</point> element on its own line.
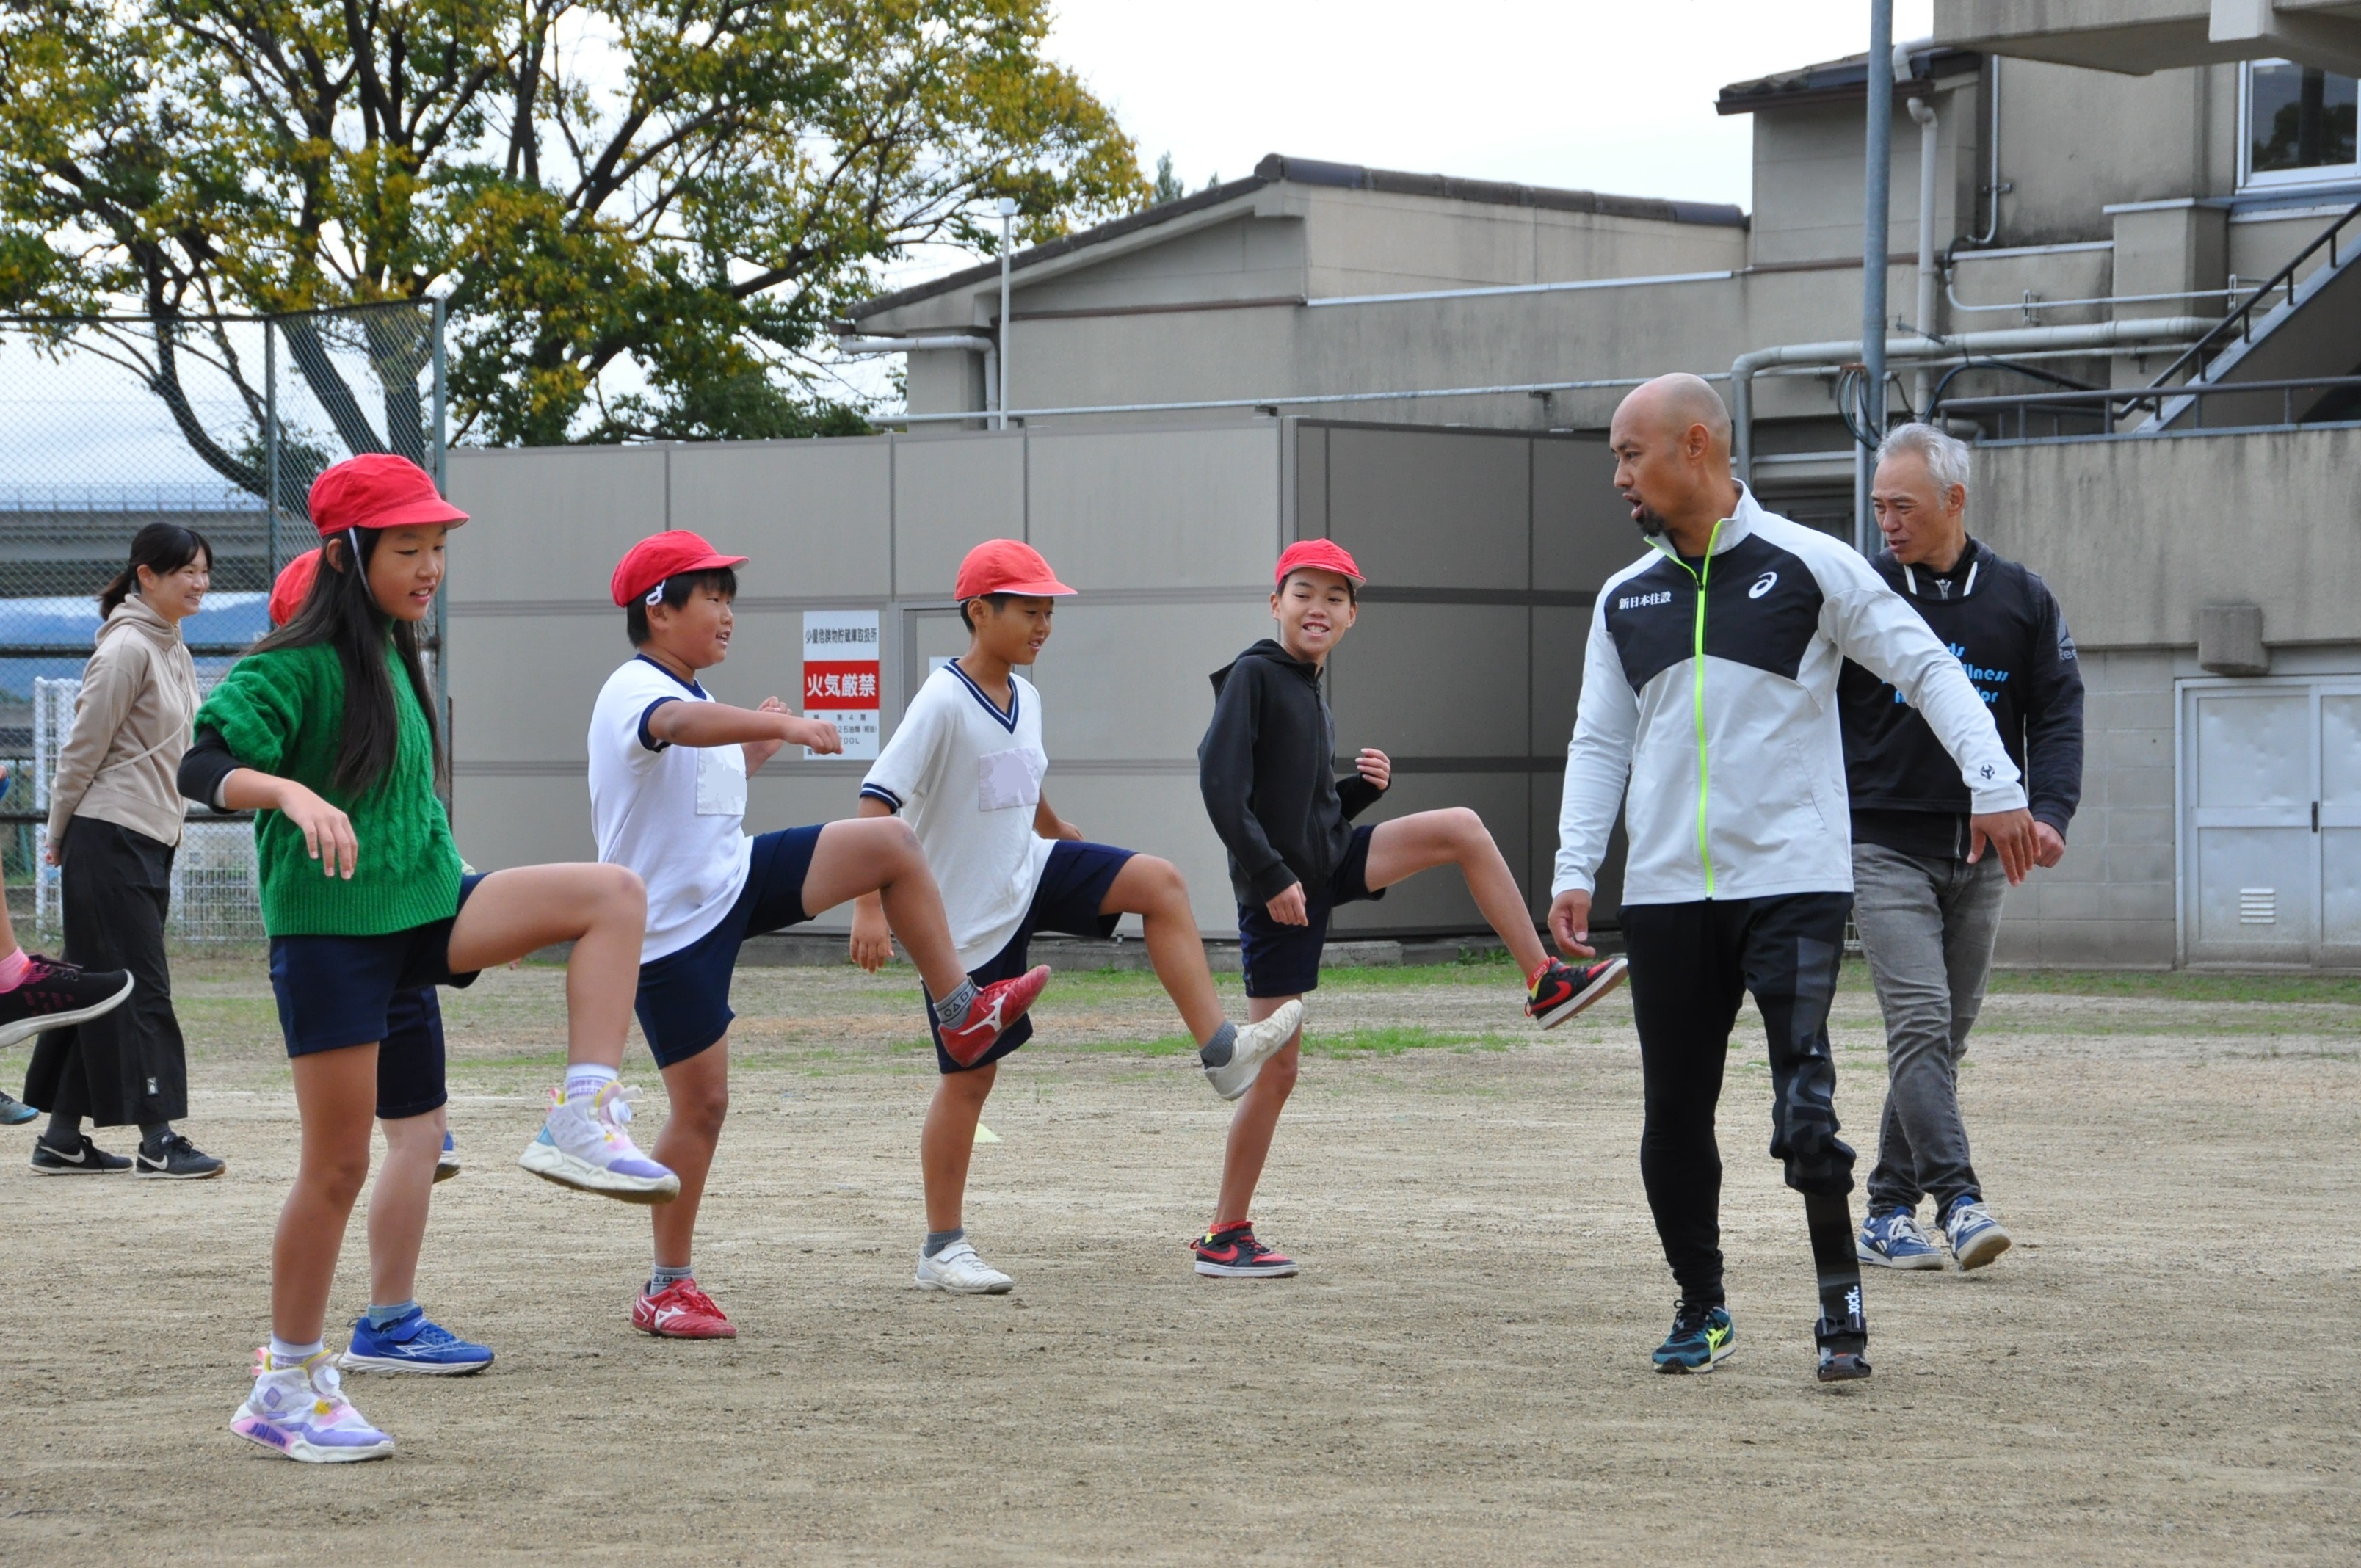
<point>1595,94</point>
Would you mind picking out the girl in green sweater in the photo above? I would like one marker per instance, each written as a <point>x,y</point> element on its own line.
<point>323,732</point>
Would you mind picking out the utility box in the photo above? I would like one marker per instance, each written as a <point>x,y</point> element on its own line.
<point>2230,639</point>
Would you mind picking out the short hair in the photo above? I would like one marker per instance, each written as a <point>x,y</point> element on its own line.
<point>1946,455</point>
<point>997,601</point>
<point>677,590</point>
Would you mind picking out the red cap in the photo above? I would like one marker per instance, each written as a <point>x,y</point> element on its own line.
<point>645,565</point>
<point>1317,555</point>
<point>294,584</point>
<point>1006,566</point>
<point>377,489</point>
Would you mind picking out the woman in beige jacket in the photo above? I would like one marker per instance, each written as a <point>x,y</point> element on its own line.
<point>115,823</point>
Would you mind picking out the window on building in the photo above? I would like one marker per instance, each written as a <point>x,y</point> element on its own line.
<point>2299,124</point>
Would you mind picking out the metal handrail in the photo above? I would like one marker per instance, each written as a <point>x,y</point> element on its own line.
<point>2242,316</point>
<point>2106,400</point>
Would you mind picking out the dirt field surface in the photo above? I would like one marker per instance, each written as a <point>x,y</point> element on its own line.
<point>2163,1371</point>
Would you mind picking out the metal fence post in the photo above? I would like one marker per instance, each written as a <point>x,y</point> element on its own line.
<point>1875,214</point>
<point>442,595</point>
<point>271,441</point>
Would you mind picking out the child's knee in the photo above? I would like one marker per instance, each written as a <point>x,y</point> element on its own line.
<point>704,1109</point>
<point>1162,883</point>
<point>338,1177</point>
<point>1462,827</point>
<point>618,893</point>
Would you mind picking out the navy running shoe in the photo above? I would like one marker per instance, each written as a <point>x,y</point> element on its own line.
<point>413,1342</point>
<point>14,1113</point>
<point>1892,1240</point>
<point>1975,1236</point>
<point>1702,1335</point>
<point>447,1164</point>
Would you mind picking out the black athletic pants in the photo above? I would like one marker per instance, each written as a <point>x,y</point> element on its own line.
<point>127,1068</point>
<point>1691,965</point>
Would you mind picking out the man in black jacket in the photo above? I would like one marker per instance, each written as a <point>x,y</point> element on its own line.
<point>1926,891</point>
<point>1267,769</point>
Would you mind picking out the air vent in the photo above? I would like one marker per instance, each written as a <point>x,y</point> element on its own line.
<point>2258,907</point>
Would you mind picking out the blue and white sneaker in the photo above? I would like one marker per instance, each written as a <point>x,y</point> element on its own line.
<point>447,1164</point>
<point>586,1145</point>
<point>1975,1236</point>
<point>1892,1240</point>
<point>14,1113</point>
<point>413,1342</point>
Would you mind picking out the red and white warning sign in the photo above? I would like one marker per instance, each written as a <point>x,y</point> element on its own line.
<point>841,674</point>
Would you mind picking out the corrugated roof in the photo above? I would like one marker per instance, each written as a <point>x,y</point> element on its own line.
<point>1838,80</point>
<point>1275,167</point>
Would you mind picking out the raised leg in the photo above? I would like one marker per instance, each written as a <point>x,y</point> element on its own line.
<point>949,1140</point>
<point>1409,845</point>
<point>1256,1122</point>
<point>335,1092</point>
<point>1153,890</point>
<point>699,1090</point>
<point>880,855</point>
<point>602,910</point>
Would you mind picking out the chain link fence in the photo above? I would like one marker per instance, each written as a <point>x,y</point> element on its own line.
<point>219,424</point>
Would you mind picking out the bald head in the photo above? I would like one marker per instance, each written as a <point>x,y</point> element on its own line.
<point>1667,406</point>
<point>1671,440</point>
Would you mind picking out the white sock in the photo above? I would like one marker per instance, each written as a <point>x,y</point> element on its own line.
<point>585,1079</point>
<point>284,1355</point>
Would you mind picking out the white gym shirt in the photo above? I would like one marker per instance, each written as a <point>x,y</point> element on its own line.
<point>673,814</point>
<point>967,777</point>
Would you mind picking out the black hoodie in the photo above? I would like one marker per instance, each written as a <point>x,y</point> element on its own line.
<point>1267,767</point>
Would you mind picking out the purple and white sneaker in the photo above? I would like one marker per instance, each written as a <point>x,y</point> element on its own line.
<point>300,1412</point>
<point>584,1144</point>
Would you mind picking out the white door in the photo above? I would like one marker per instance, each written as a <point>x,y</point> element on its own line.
<point>2271,840</point>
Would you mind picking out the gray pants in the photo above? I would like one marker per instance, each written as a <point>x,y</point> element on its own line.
<point>1927,926</point>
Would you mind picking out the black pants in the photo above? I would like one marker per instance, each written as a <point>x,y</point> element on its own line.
<point>1691,965</point>
<point>126,1067</point>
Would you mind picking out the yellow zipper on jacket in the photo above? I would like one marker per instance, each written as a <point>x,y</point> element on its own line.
<point>1697,690</point>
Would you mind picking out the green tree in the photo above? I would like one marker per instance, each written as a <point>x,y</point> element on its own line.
<point>648,210</point>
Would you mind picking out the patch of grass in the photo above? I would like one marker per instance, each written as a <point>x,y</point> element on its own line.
<point>2176,985</point>
<point>1388,1040</point>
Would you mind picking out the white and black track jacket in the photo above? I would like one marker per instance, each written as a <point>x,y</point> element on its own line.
<point>1713,693</point>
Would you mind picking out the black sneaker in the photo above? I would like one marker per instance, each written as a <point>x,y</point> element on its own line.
<point>1842,1345</point>
<point>1558,993</point>
<point>1234,1253</point>
<point>86,1158</point>
<point>174,1158</point>
<point>52,995</point>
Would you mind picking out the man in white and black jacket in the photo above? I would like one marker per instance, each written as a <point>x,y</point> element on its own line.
<point>1926,901</point>
<point>1710,688</point>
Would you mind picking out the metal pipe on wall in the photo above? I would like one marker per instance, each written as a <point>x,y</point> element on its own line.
<point>2007,340</point>
<point>1921,110</point>
<point>1007,213</point>
<point>1876,213</point>
<point>983,345</point>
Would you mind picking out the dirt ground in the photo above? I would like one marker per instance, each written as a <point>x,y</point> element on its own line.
<point>2163,1370</point>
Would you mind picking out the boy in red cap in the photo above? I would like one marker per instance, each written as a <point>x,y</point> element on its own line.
<point>668,770</point>
<point>1265,770</point>
<point>965,767</point>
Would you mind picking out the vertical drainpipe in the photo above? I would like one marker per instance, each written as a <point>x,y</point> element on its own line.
<point>1008,213</point>
<point>1876,210</point>
<point>1923,317</point>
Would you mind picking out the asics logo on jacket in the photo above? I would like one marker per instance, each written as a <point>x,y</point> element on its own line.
<point>1708,689</point>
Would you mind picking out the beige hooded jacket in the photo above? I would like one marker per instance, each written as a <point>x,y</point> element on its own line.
<point>131,727</point>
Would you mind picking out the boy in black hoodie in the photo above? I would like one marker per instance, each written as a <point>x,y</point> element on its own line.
<point>1266,768</point>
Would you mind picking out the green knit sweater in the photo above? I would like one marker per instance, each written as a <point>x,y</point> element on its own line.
<point>282,713</point>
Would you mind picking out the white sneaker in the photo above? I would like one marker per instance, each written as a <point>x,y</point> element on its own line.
<point>300,1412</point>
<point>1256,1043</point>
<point>957,1269</point>
<point>584,1146</point>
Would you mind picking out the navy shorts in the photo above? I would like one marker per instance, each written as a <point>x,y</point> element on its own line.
<point>1284,960</point>
<point>1074,884</point>
<point>335,991</point>
<point>684,1000</point>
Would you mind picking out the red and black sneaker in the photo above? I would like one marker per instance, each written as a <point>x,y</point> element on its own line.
<point>995,1007</point>
<point>53,995</point>
<point>1557,993</point>
<point>1232,1253</point>
<point>680,1310</point>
